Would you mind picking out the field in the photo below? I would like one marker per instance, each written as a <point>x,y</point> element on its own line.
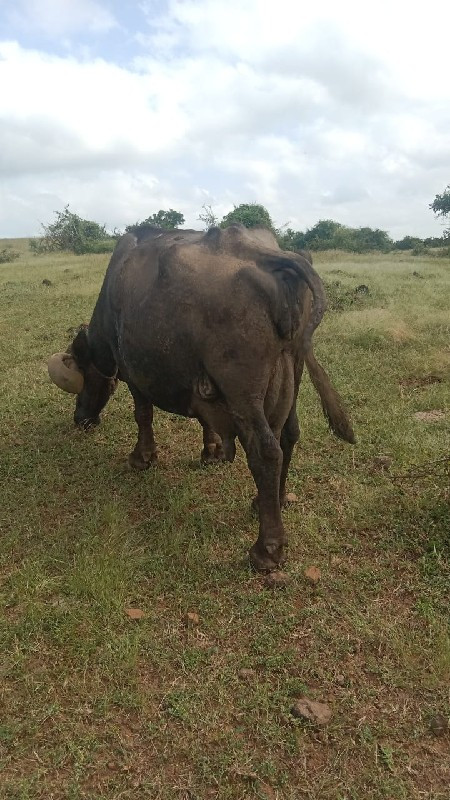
<point>98,706</point>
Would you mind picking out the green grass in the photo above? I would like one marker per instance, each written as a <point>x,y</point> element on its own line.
<point>95,706</point>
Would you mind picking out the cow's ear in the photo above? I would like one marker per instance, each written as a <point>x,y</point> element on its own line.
<point>80,347</point>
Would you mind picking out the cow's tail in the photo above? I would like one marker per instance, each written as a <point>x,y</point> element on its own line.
<point>332,404</point>
<point>289,271</point>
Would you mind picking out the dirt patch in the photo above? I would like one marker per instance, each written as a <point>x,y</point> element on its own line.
<point>435,415</point>
<point>415,382</point>
<point>400,332</point>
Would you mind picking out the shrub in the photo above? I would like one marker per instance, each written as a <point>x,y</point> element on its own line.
<point>71,232</point>
<point>251,215</point>
<point>8,254</point>
<point>100,245</point>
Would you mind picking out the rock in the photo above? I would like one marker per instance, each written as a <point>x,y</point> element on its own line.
<point>382,462</point>
<point>265,792</point>
<point>291,497</point>
<point>439,725</point>
<point>313,575</point>
<point>340,679</point>
<point>318,713</point>
<point>246,674</point>
<point>134,613</point>
<point>191,618</point>
<point>276,580</point>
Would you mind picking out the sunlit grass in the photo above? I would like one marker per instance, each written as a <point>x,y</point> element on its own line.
<point>97,706</point>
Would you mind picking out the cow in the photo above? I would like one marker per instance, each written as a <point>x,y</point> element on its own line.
<point>212,325</point>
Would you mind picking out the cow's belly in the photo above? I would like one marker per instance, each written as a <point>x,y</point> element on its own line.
<point>165,382</point>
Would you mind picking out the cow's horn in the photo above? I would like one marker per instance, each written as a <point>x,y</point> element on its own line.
<point>65,373</point>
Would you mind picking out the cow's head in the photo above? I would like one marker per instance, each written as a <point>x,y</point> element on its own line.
<point>74,372</point>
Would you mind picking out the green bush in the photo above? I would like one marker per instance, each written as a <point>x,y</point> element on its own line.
<point>251,215</point>
<point>8,254</point>
<point>419,250</point>
<point>100,246</point>
<point>329,235</point>
<point>71,232</point>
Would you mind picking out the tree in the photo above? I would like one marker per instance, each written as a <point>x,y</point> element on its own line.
<point>441,207</point>
<point>434,241</point>
<point>330,235</point>
<point>251,215</point>
<point>441,203</point>
<point>367,239</point>
<point>292,240</point>
<point>168,220</point>
<point>325,235</point>
<point>71,232</point>
<point>408,243</point>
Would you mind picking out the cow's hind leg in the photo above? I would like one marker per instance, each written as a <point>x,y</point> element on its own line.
<point>289,438</point>
<point>212,452</point>
<point>265,457</point>
<point>145,452</point>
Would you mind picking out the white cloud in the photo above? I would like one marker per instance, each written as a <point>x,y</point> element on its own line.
<point>318,111</point>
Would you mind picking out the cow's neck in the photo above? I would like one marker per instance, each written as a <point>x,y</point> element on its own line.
<point>101,353</point>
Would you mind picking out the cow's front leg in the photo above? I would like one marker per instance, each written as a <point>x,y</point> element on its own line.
<point>145,452</point>
<point>212,452</point>
<point>265,457</point>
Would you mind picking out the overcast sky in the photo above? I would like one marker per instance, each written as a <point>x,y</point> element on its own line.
<point>318,110</point>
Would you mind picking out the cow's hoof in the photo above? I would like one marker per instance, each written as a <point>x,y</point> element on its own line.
<point>212,455</point>
<point>265,562</point>
<point>138,462</point>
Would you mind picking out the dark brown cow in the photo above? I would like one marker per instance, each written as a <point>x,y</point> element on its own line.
<point>215,326</point>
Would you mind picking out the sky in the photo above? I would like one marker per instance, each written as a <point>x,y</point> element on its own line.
<point>318,110</point>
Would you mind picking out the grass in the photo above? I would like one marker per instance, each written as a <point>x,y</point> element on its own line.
<point>96,706</point>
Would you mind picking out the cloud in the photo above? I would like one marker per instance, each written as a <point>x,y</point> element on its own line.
<point>313,111</point>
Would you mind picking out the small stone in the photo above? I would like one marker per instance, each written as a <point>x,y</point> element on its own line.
<point>246,674</point>
<point>439,725</point>
<point>111,765</point>
<point>313,575</point>
<point>134,613</point>
<point>276,580</point>
<point>318,713</point>
<point>291,497</point>
<point>191,618</point>
<point>265,792</point>
<point>340,679</point>
<point>382,462</point>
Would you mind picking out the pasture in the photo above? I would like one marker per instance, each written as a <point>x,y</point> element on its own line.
<point>193,701</point>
